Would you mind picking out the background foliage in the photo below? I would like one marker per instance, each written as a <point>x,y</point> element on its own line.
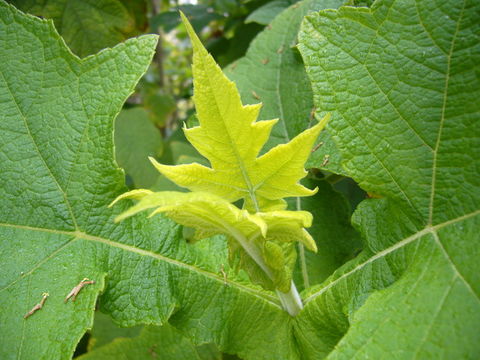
<point>399,161</point>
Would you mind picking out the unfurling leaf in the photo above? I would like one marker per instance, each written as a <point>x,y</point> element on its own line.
<point>231,140</point>
<point>263,233</point>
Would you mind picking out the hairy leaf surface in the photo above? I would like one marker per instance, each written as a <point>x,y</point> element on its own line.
<point>401,80</point>
<point>57,176</point>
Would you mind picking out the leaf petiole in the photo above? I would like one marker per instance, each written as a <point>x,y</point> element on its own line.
<point>291,301</point>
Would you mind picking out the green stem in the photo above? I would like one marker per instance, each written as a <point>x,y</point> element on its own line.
<point>301,255</point>
<point>291,301</point>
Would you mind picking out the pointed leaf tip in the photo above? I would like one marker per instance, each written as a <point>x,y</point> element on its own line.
<point>196,43</point>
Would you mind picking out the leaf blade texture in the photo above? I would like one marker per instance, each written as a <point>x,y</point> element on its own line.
<point>401,86</point>
<point>231,140</point>
<point>69,104</point>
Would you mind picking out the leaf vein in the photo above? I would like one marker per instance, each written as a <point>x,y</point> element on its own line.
<point>132,249</point>
<point>435,315</point>
<point>452,265</point>
<point>442,118</point>
<point>398,245</point>
<point>27,127</point>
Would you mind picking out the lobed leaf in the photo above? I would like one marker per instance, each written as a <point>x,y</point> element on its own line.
<point>57,174</point>
<point>231,140</point>
<point>400,80</point>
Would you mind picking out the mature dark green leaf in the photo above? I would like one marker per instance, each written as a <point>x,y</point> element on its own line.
<point>401,80</point>
<point>136,138</point>
<point>199,15</point>
<point>266,13</point>
<point>57,113</point>
<point>163,342</point>
<point>57,176</point>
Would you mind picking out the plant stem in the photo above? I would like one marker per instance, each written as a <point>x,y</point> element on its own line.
<point>291,301</point>
<point>301,254</point>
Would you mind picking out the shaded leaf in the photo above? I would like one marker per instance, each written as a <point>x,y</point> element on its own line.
<point>136,138</point>
<point>104,331</point>
<point>153,342</point>
<point>336,240</point>
<point>266,13</point>
<point>199,16</point>
<point>87,26</point>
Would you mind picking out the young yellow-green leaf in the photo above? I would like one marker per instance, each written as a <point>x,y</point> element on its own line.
<point>271,234</point>
<point>231,140</point>
<point>207,212</point>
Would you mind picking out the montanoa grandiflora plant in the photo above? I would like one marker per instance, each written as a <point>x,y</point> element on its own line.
<point>261,235</point>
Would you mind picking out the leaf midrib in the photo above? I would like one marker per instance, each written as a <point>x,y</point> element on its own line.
<point>272,300</point>
<point>37,149</point>
<point>400,244</point>
<point>442,118</point>
<point>245,175</point>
